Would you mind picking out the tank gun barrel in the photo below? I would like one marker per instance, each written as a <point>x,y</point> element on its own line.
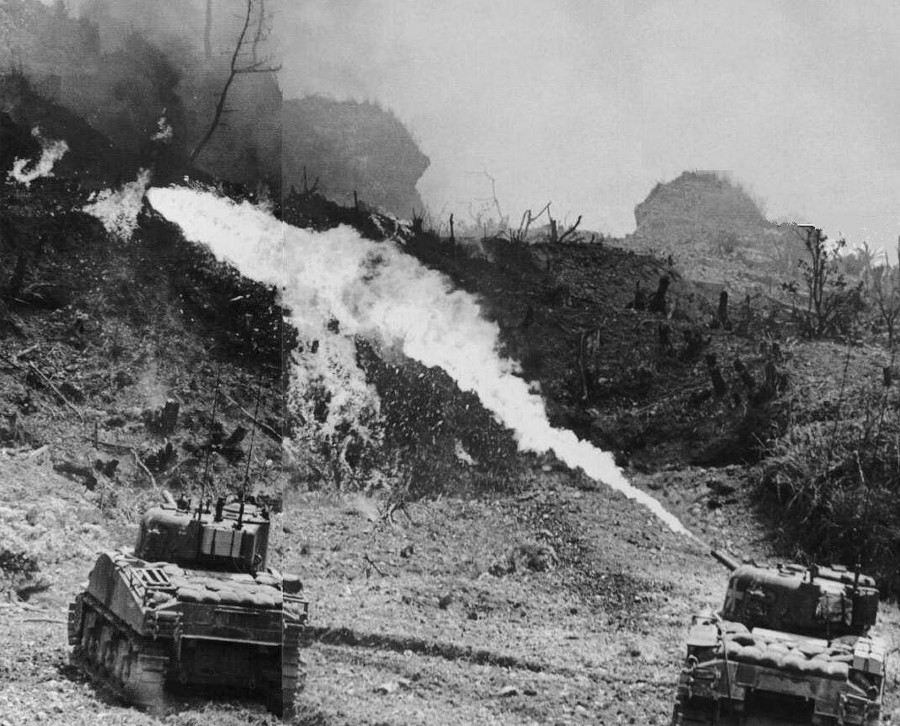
<point>726,559</point>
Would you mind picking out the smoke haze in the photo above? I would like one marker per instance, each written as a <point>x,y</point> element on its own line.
<point>589,104</point>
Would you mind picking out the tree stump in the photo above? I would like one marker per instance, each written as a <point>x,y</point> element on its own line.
<point>658,299</point>
<point>745,375</point>
<point>169,417</point>
<point>715,373</point>
<point>722,314</point>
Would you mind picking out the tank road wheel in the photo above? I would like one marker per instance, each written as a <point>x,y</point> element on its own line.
<point>90,633</point>
<point>106,649</point>
<point>121,660</point>
<point>76,621</point>
<point>144,676</point>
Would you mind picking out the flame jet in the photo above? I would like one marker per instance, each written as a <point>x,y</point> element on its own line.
<point>375,290</point>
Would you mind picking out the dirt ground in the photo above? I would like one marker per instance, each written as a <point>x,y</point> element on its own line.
<point>561,605</point>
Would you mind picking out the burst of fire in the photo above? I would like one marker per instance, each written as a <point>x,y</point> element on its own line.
<point>118,209</point>
<point>377,291</point>
<point>26,171</point>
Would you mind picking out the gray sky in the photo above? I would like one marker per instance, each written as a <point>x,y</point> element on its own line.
<point>588,103</point>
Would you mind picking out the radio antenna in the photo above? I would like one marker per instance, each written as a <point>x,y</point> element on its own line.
<point>250,452</point>
<point>209,448</point>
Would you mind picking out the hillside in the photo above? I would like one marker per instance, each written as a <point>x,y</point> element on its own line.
<point>715,229</point>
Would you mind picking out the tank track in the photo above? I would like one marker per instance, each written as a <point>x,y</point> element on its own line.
<point>691,716</point>
<point>111,654</point>
<point>282,696</point>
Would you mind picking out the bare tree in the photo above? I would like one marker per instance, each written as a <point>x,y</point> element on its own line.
<point>832,304</point>
<point>885,285</point>
<point>521,234</point>
<point>238,67</point>
<point>555,235</point>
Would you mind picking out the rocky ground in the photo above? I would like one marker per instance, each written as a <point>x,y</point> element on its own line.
<point>563,604</point>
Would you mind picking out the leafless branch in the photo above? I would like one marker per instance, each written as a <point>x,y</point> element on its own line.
<point>235,69</point>
<point>56,390</point>
<point>570,230</point>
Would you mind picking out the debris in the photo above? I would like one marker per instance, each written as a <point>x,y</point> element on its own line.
<point>265,428</point>
<point>55,389</point>
<point>528,556</point>
<point>71,391</point>
<point>163,420</point>
<point>107,468</point>
<point>370,565</point>
<point>143,467</point>
<point>38,451</point>
<point>77,471</point>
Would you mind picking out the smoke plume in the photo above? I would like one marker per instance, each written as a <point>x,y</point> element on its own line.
<point>339,285</point>
<point>25,171</point>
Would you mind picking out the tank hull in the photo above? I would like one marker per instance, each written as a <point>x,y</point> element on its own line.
<point>146,629</point>
<point>775,677</point>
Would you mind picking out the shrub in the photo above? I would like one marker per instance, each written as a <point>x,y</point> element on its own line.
<point>832,486</point>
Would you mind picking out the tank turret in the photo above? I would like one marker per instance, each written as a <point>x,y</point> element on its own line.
<point>235,537</point>
<point>819,601</point>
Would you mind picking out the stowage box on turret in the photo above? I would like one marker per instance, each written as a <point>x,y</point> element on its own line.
<point>790,643</point>
<point>194,603</point>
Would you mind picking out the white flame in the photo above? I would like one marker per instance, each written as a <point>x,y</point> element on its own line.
<point>51,152</point>
<point>164,131</point>
<point>119,209</point>
<point>375,290</point>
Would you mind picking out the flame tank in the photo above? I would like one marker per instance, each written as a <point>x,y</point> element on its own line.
<point>790,645</point>
<point>192,605</point>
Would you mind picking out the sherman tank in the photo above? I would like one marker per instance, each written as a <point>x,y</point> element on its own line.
<point>193,605</point>
<point>791,644</point>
